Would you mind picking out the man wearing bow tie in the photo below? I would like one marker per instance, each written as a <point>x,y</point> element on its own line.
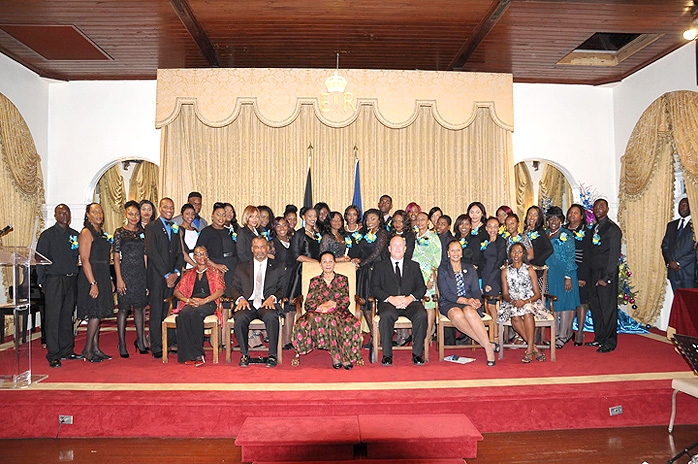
<point>199,223</point>
<point>164,250</point>
<point>679,249</point>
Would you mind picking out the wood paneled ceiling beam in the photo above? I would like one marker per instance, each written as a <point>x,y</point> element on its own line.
<point>495,12</point>
<point>197,32</point>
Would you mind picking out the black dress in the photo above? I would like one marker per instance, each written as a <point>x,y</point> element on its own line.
<point>302,245</point>
<point>190,322</point>
<point>582,244</point>
<point>131,245</point>
<point>494,257</point>
<point>370,252</point>
<point>221,248</point>
<point>284,256</point>
<point>244,244</point>
<point>103,305</point>
<point>472,254</point>
<point>542,250</point>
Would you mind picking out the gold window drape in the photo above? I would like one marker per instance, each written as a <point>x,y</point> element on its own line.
<point>250,162</point>
<point>669,125</point>
<point>112,197</point>
<point>554,185</point>
<point>21,183</point>
<point>144,182</point>
<point>524,190</point>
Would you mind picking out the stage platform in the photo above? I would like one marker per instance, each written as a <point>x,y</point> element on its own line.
<point>142,397</point>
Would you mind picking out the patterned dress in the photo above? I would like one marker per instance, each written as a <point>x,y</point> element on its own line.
<point>427,253</point>
<point>337,331</point>
<point>131,246</point>
<point>520,288</point>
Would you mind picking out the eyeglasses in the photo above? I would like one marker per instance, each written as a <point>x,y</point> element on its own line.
<point>200,254</point>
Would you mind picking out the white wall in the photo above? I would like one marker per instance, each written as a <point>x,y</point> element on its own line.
<point>29,93</point>
<point>92,124</point>
<point>572,126</point>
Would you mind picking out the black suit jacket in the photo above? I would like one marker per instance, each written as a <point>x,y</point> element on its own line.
<point>603,258</point>
<point>164,255</point>
<point>680,248</point>
<point>384,280</point>
<point>274,280</point>
<point>448,288</point>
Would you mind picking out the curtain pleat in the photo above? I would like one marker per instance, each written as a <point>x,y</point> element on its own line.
<point>248,162</point>
<point>144,182</point>
<point>21,185</point>
<point>112,197</point>
<point>524,190</point>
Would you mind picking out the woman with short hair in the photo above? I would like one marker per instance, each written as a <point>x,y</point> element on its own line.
<point>249,230</point>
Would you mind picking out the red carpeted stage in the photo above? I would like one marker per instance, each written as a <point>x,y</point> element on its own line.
<point>142,397</point>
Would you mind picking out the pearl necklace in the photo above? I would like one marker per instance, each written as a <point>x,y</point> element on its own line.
<point>351,231</point>
<point>200,272</point>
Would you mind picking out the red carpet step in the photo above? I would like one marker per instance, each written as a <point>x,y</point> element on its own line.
<point>376,461</point>
<point>436,439</point>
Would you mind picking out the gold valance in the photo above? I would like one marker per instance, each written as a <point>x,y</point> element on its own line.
<point>278,96</point>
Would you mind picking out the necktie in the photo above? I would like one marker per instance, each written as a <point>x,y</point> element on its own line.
<point>397,272</point>
<point>682,224</point>
<point>258,284</point>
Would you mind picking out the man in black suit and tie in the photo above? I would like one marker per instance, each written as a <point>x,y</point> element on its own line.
<point>398,286</point>
<point>257,290</point>
<point>603,294</point>
<point>165,260</point>
<point>679,249</point>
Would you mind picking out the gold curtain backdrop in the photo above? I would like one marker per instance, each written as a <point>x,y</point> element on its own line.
<point>554,185</point>
<point>112,197</point>
<point>524,191</point>
<point>144,182</point>
<point>668,126</point>
<point>21,183</point>
<point>249,162</point>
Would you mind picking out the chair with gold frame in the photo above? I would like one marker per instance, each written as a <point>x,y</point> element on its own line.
<point>211,325</point>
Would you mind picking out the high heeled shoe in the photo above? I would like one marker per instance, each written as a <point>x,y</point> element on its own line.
<point>102,355</point>
<point>135,343</point>
<point>123,354</point>
<point>90,358</point>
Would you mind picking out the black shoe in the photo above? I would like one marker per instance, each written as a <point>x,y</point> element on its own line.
<point>348,367</point>
<point>93,359</point>
<point>157,355</point>
<point>244,361</point>
<point>54,363</point>
<point>73,356</point>
<point>577,343</point>
<point>387,361</point>
<point>135,344</point>
<point>604,349</point>
<point>271,361</point>
<point>337,366</point>
<point>102,355</point>
<point>417,360</point>
<point>594,343</point>
<point>123,354</point>
<point>287,347</point>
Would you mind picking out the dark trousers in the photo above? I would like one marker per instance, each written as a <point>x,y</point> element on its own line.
<point>681,279</point>
<point>158,291</point>
<point>190,331</point>
<point>415,312</point>
<point>603,302</point>
<point>60,292</point>
<point>242,327</point>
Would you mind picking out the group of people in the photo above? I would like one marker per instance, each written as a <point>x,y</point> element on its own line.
<point>254,267</point>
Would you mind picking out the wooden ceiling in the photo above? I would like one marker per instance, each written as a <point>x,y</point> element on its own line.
<point>133,38</point>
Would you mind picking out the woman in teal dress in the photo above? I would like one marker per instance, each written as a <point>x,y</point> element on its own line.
<point>562,275</point>
<point>427,253</point>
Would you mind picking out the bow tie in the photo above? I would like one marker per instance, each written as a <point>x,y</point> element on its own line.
<point>168,223</point>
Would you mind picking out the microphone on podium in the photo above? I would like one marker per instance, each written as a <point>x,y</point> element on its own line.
<point>6,230</point>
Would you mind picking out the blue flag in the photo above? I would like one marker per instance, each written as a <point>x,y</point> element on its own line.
<point>357,188</point>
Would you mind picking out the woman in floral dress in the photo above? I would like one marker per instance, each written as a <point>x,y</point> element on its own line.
<point>427,253</point>
<point>328,324</point>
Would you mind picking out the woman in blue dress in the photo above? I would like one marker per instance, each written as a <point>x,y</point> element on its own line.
<point>562,275</point>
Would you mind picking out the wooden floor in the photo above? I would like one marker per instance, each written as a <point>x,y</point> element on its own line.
<point>635,445</point>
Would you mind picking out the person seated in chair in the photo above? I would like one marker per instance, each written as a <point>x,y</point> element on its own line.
<point>200,289</point>
<point>460,297</point>
<point>258,287</point>
<point>398,287</point>
<point>328,324</point>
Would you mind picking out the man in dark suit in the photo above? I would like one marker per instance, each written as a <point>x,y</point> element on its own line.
<point>164,250</point>
<point>603,293</point>
<point>679,249</point>
<point>59,283</point>
<point>257,290</point>
<point>398,286</point>
<point>385,204</point>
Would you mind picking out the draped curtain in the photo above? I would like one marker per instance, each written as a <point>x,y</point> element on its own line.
<point>249,162</point>
<point>21,183</point>
<point>669,125</point>
<point>554,186</point>
<point>144,183</point>
<point>112,197</point>
<point>524,190</point>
